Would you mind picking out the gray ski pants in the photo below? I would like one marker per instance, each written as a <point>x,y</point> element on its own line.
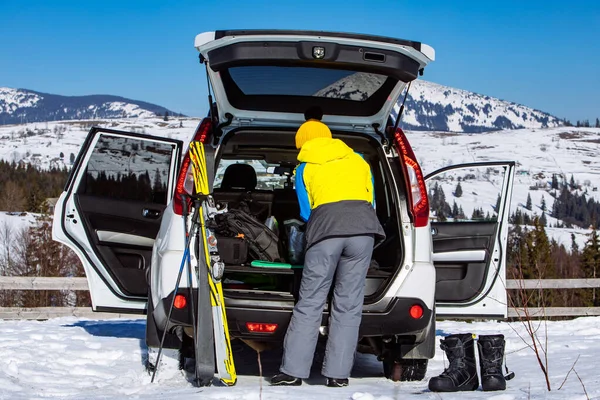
<point>349,259</point>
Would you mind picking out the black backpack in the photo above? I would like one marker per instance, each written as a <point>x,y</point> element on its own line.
<point>263,243</point>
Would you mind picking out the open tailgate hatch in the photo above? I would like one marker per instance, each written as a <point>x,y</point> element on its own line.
<point>274,76</point>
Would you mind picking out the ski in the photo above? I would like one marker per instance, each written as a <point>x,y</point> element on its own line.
<point>214,267</point>
<point>204,339</point>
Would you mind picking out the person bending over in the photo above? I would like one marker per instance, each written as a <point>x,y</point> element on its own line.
<point>334,186</point>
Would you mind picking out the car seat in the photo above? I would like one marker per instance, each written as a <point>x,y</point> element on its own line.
<point>239,186</point>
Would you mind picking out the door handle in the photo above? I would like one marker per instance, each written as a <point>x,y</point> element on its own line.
<point>150,213</point>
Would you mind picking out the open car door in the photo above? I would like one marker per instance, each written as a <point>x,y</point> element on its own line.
<point>469,208</point>
<point>111,209</point>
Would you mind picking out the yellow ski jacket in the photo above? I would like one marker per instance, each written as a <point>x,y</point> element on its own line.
<point>329,172</point>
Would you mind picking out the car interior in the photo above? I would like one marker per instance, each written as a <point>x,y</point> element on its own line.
<point>256,167</point>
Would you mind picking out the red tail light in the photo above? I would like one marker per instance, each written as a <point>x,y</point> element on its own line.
<point>415,184</point>
<point>416,311</point>
<point>180,301</point>
<point>256,327</point>
<point>185,180</point>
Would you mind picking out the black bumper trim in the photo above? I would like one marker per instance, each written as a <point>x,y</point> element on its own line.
<point>116,310</point>
<point>395,320</point>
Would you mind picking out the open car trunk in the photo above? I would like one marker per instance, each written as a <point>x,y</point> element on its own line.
<point>264,182</point>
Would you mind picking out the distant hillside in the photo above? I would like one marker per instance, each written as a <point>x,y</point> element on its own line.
<point>22,105</point>
<point>433,107</point>
<point>429,107</point>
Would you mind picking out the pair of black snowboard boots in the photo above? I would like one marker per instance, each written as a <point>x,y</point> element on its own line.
<point>461,374</point>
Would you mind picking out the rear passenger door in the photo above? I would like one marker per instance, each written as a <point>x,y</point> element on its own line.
<point>469,211</point>
<point>111,210</point>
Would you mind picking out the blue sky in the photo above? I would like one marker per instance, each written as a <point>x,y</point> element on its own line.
<point>544,54</point>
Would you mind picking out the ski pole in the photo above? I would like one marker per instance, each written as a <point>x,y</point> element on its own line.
<point>189,268</point>
<point>186,254</point>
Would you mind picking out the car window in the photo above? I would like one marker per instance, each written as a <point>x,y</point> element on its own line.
<point>304,81</point>
<point>466,194</point>
<point>126,168</point>
<point>266,177</point>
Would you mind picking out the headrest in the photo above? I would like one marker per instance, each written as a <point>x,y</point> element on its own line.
<point>239,176</point>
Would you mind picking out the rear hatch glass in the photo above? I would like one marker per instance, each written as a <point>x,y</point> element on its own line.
<point>278,75</point>
<point>316,82</point>
<point>285,89</point>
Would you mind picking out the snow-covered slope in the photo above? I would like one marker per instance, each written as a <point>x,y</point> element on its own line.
<point>21,105</point>
<point>433,107</point>
<point>13,99</point>
<point>430,106</point>
<point>539,153</point>
<point>357,87</point>
<point>76,359</point>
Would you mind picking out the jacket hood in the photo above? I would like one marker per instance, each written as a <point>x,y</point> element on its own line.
<point>322,150</point>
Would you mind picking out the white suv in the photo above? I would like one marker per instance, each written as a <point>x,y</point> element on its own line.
<point>121,210</point>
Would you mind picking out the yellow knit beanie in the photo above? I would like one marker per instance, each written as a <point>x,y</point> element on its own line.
<point>311,129</point>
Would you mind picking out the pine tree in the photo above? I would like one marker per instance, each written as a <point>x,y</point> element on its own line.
<point>543,220</point>
<point>543,205</point>
<point>554,182</point>
<point>574,245</point>
<point>454,210</point>
<point>72,158</point>
<point>528,202</point>
<point>166,118</point>
<point>541,260</point>
<point>458,191</point>
<point>590,257</point>
<point>516,218</point>
<point>477,214</point>
<point>439,207</point>
<point>597,122</point>
<point>497,206</point>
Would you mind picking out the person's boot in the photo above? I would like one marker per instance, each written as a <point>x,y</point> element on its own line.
<point>461,374</point>
<point>335,382</point>
<point>282,379</point>
<point>491,356</point>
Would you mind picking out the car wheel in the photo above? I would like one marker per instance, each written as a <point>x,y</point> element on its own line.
<point>405,370</point>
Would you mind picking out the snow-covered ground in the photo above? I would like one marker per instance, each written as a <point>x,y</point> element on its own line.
<point>11,226</point>
<point>15,221</point>
<point>69,358</point>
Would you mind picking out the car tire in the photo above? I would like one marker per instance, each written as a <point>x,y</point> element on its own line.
<point>405,370</point>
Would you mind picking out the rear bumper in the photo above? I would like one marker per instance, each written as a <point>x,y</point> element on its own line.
<point>395,320</point>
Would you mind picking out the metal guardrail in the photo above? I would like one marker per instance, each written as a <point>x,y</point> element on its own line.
<point>79,283</point>
<point>42,283</point>
<point>58,312</point>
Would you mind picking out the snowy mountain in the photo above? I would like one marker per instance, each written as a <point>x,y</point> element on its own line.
<point>433,107</point>
<point>429,107</point>
<point>22,105</point>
